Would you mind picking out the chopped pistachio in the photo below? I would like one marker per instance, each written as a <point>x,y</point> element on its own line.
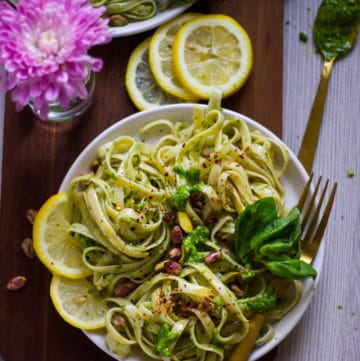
<point>237,290</point>
<point>184,222</point>
<point>27,247</point>
<point>176,235</point>
<point>172,267</point>
<point>16,283</point>
<point>31,215</point>
<point>118,20</point>
<point>213,257</point>
<point>118,320</point>
<point>175,253</point>
<point>124,288</point>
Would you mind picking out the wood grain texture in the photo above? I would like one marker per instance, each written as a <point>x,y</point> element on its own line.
<point>36,157</point>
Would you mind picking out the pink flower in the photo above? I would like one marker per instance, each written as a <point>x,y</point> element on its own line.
<point>44,49</point>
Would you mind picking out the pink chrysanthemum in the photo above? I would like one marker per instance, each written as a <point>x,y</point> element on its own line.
<point>44,45</point>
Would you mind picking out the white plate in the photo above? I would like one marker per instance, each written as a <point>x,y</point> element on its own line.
<point>135,27</point>
<point>293,181</point>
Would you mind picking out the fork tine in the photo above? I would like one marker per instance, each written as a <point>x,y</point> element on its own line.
<point>304,193</point>
<point>313,226</point>
<point>310,204</point>
<point>315,213</point>
<point>315,242</point>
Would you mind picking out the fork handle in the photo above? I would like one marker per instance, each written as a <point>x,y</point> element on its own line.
<point>243,349</point>
<point>308,146</point>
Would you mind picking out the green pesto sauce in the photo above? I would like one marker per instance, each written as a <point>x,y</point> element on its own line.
<point>179,199</point>
<point>164,338</point>
<point>192,241</point>
<point>335,21</point>
<point>192,175</point>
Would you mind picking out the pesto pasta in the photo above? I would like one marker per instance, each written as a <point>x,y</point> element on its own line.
<point>179,293</point>
<point>122,11</point>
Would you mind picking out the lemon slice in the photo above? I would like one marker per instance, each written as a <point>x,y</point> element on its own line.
<point>78,302</point>
<point>160,57</point>
<point>140,84</point>
<point>54,246</point>
<point>212,51</point>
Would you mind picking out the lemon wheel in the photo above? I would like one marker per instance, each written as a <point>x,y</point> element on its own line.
<point>140,83</point>
<point>212,51</point>
<point>160,57</point>
<point>56,248</point>
<point>78,302</point>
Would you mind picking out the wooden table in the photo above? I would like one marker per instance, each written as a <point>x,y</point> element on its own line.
<point>36,158</point>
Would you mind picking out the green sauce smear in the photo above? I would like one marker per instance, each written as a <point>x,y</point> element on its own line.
<point>336,27</point>
<point>193,242</point>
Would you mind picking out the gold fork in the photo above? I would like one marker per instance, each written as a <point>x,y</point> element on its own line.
<point>313,227</point>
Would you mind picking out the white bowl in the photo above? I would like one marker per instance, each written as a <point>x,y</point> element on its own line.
<point>293,181</point>
<point>161,17</point>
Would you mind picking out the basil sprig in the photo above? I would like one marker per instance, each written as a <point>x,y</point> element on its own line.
<point>263,239</point>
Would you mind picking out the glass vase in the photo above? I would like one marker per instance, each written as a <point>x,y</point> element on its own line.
<point>77,108</point>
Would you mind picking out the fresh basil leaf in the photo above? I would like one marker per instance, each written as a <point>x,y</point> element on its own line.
<point>291,269</point>
<point>254,218</point>
<point>275,251</point>
<point>288,228</point>
<point>263,239</point>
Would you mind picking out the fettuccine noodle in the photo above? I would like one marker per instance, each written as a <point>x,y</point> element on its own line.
<point>125,214</point>
<point>132,10</point>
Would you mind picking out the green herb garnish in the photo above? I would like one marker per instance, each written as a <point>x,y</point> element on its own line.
<point>262,239</point>
<point>164,337</point>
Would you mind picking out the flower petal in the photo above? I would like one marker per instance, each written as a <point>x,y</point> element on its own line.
<point>42,61</point>
<point>51,93</point>
<point>62,76</point>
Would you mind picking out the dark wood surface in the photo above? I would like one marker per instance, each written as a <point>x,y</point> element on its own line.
<point>36,157</point>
